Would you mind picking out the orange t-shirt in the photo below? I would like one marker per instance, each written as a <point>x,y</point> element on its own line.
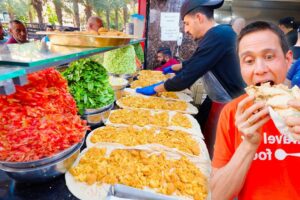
<point>269,178</point>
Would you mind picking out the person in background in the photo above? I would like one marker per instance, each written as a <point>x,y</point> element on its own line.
<point>66,29</point>
<point>294,74</point>
<point>3,39</point>
<point>49,28</point>
<point>164,58</point>
<point>238,24</point>
<point>94,23</point>
<point>214,60</point>
<point>288,26</point>
<point>296,48</point>
<point>246,162</point>
<point>18,32</point>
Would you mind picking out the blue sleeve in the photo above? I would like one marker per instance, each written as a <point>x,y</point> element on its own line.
<point>211,49</point>
<point>296,79</point>
<point>293,70</point>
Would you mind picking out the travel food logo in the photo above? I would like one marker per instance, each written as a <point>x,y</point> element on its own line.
<point>278,154</point>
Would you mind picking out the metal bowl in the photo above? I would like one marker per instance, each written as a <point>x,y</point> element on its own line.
<point>44,172</point>
<point>41,162</point>
<point>98,117</point>
<point>119,86</point>
<point>97,110</point>
<point>118,83</point>
<point>119,93</point>
<point>125,76</point>
<point>128,77</point>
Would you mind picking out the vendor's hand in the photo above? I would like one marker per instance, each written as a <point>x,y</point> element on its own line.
<point>293,122</point>
<point>168,70</point>
<point>250,119</point>
<point>149,90</point>
<point>177,67</point>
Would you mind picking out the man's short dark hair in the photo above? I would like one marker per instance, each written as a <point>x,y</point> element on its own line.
<point>261,26</point>
<point>165,50</point>
<point>50,26</point>
<point>15,21</point>
<point>66,29</point>
<point>207,11</point>
<point>288,22</point>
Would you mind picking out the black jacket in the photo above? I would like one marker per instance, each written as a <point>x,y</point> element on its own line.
<point>291,37</point>
<point>216,52</point>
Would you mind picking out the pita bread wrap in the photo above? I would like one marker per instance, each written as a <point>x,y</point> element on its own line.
<point>152,118</point>
<point>177,140</point>
<point>98,190</point>
<point>156,103</point>
<point>179,96</point>
<point>277,97</point>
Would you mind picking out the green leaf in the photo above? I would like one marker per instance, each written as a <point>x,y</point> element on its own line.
<point>85,98</point>
<point>90,85</point>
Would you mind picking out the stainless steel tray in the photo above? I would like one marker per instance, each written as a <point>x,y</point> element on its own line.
<point>124,191</point>
<point>79,39</point>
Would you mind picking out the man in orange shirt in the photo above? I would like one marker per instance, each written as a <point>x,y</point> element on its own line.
<point>246,162</point>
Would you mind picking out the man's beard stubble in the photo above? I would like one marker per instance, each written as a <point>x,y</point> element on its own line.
<point>163,62</point>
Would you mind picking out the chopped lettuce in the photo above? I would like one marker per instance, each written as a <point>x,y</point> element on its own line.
<point>120,61</point>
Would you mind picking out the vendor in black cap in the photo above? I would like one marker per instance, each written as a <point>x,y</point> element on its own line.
<point>214,60</point>
<point>289,27</point>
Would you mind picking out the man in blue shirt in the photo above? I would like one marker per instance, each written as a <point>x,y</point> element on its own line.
<point>294,74</point>
<point>214,60</point>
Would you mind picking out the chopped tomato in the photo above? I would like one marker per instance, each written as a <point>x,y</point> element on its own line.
<point>39,120</point>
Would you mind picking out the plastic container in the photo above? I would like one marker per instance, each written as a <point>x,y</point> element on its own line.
<point>129,28</point>
<point>138,25</point>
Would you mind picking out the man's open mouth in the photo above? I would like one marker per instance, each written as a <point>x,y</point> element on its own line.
<point>269,81</point>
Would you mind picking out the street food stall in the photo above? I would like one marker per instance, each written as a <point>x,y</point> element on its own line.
<point>82,132</point>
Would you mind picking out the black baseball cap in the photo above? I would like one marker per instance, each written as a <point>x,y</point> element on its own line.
<point>165,50</point>
<point>287,20</point>
<point>190,5</point>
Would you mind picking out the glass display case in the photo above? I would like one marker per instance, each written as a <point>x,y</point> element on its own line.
<point>17,60</point>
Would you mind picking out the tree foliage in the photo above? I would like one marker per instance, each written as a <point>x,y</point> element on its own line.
<point>115,13</point>
<point>52,17</point>
<point>38,6</point>
<point>17,9</point>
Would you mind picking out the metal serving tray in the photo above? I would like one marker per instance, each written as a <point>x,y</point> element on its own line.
<point>79,39</point>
